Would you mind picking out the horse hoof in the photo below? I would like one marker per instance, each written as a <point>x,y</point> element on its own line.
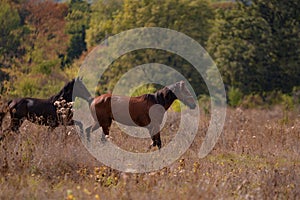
<point>159,145</point>
<point>109,138</point>
<point>153,144</point>
<point>1,136</point>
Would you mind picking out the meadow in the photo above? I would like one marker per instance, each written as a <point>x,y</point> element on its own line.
<point>256,49</point>
<point>256,157</point>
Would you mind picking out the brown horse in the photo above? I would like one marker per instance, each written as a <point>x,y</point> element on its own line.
<point>44,111</point>
<point>144,111</point>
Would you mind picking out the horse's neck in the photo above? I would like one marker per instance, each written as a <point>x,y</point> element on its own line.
<point>90,100</point>
<point>165,97</point>
<point>64,93</point>
<point>56,97</point>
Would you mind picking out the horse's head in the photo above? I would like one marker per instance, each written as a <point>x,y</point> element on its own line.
<point>183,94</point>
<point>81,91</point>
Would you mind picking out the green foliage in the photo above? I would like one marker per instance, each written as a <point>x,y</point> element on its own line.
<point>9,30</point>
<point>27,88</point>
<point>39,86</point>
<point>273,98</point>
<point>190,17</point>
<point>46,67</point>
<point>234,96</point>
<point>287,102</point>
<point>205,103</point>
<point>253,101</point>
<point>101,22</point>
<point>255,46</point>
<point>145,89</point>
<point>296,95</point>
<point>34,67</point>
<point>111,17</point>
<point>10,36</point>
<point>77,23</point>
<point>176,105</point>
<point>269,99</point>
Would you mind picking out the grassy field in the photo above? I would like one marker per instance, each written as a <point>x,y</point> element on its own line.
<point>256,157</point>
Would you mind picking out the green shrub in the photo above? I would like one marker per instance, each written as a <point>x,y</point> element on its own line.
<point>205,103</point>
<point>296,94</point>
<point>252,101</point>
<point>46,67</point>
<point>273,98</point>
<point>287,102</point>
<point>144,89</point>
<point>26,88</point>
<point>234,96</point>
<point>176,106</point>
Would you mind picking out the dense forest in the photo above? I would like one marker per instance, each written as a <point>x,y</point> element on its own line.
<point>254,44</point>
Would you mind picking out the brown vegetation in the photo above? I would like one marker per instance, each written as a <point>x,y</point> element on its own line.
<point>257,157</point>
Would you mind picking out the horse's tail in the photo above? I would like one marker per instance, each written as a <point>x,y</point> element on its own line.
<point>4,109</point>
<point>11,104</point>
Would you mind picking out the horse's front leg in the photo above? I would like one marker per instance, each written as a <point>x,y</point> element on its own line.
<point>91,129</point>
<point>77,123</point>
<point>105,128</point>
<point>155,136</point>
<point>94,127</point>
<point>105,124</point>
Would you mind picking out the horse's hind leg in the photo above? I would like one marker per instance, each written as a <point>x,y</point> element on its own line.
<point>16,124</point>
<point>3,132</point>
<point>2,135</point>
<point>2,115</point>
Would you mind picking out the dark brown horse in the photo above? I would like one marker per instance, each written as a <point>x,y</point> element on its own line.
<point>144,111</point>
<point>44,111</point>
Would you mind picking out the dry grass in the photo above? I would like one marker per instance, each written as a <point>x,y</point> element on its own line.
<point>257,157</point>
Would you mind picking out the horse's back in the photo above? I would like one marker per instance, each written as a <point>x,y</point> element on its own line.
<point>104,98</point>
<point>32,107</point>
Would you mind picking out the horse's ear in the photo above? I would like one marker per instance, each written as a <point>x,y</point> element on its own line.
<point>80,78</point>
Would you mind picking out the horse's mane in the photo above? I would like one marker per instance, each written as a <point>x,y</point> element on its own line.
<point>63,91</point>
<point>165,95</point>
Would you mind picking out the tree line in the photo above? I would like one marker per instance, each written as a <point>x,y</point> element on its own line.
<point>255,44</point>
